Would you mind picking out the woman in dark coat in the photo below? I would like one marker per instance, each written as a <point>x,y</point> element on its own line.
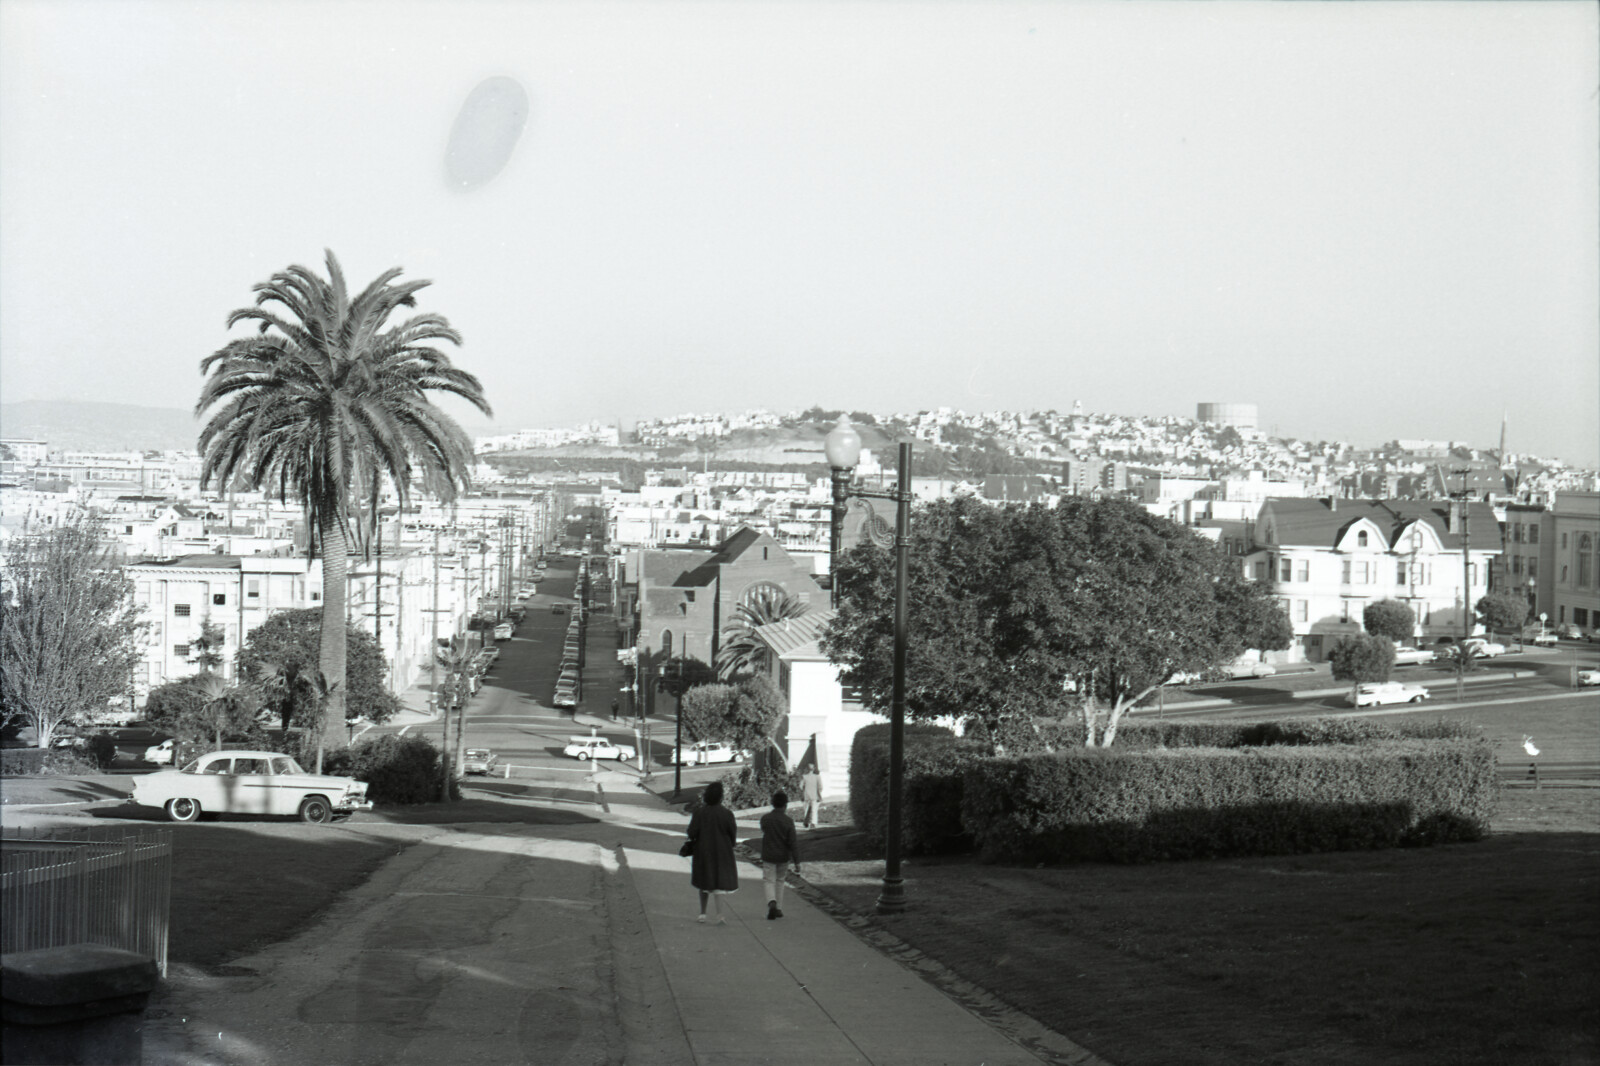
<point>713,833</point>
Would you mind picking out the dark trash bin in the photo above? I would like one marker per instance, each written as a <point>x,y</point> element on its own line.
<point>79,1004</point>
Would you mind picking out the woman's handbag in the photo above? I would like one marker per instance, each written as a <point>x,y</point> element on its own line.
<point>687,849</point>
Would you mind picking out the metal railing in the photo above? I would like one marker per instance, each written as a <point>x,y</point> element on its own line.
<point>108,885</point>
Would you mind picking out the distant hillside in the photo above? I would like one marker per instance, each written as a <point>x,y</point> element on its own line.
<point>70,425</point>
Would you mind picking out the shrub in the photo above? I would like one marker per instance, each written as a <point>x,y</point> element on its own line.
<point>1273,798</point>
<point>396,769</point>
<point>749,787</point>
<point>102,749</point>
<point>934,758</point>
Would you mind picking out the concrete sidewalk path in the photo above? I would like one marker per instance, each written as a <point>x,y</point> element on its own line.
<point>799,990</point>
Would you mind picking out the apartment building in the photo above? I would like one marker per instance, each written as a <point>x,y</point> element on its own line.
<point>391,596</point>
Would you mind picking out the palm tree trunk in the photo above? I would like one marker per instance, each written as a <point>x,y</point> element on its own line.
<point>331,654</point>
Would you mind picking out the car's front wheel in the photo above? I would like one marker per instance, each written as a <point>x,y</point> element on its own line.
<point>183,810</point>
<point>583,756</point>
<point>1416,699</point>
<point>315,810</point>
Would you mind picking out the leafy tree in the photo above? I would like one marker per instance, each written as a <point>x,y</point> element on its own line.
<point>742,652</point>
<point>706,710</point>
<point>283,654</point>
<point>745,715</point>
<point>1502,612</point>
<point>70,632</point>
<point>322,403</point>
<point>206,649</point>
<point>1360,658</point>
<point>1390,618</point>
<point>169,704</point>
<point>1087,605</point>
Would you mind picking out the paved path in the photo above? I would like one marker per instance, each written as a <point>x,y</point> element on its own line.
<point>558,945</point>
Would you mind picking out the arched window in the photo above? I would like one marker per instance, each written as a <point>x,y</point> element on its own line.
<point>666,644</point>
<point>1361,538</point>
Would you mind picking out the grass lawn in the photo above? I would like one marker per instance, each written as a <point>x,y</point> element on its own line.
<point>1478,954</point>
<point>238,886</point>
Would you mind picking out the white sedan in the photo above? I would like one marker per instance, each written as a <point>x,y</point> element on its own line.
<point>1484,649</point>
<point>249,782</point>
<point>1589,677</point>
<point>585,748</point>
<point>704,753</point>
<point>1404,656</point>
<point>1374,694</point>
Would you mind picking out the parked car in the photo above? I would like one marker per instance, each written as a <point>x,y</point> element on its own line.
<point>585,748</point>
<point>1249,668</point>
<point>1545,638</point>
<point>503,631</point>
<point>1589,677</point>
<point>558,609</point>
<point>479,761</point>
<point>566,696</point>
<point>1404,656</point>
<point>161,754</point>
<point>1569,631</point>
<point>705,753</point>
<point>1483,648</point>
<point>249,782</point>
<point>1377,693</point>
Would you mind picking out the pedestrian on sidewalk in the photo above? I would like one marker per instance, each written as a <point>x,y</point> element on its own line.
<point>615,703</point>
<point>779,848</point>
<point>811,795</point>
<point>713,833</point>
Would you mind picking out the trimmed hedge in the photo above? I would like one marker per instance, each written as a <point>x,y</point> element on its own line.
<point>934,760</point>
<point>1189,802</point>
<point>1145,734</point>
<point>20,762</point>
<point>396,769</point>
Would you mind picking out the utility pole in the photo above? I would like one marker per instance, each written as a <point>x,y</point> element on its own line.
<point>1462,652</point>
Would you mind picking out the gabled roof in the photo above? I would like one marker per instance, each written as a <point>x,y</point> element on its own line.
<point>660,568</point>
<point>1322,523</point>
<point>797,638</point>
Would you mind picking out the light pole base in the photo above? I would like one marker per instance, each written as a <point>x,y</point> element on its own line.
<point>892,900</point>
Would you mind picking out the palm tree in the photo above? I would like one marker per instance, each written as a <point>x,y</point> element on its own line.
<point>459,661</point>
<point>323,402</point>
<point>742,653</point>
<point>227,708</point>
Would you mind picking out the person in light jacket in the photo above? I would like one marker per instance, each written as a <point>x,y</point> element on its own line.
<point>714,870</point>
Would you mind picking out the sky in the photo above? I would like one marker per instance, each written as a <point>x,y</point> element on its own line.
<point>1371,220</point>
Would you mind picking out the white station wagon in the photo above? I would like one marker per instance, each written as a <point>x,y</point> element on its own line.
<point>249,782</point>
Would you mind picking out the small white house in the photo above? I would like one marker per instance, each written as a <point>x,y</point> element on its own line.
<point>823,720</point>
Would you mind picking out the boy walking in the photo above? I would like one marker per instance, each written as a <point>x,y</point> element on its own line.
<point>780,849</point>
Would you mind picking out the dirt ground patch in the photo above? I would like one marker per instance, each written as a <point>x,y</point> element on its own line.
<point>1483,953</point>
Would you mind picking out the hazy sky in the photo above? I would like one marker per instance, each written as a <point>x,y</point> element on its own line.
<point>1373,220</point>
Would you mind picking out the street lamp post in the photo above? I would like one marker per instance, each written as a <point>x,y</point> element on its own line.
<point>843,449</point>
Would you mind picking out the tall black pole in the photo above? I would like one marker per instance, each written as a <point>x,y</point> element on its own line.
<point>841,487</point>
<point>893,898</point>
